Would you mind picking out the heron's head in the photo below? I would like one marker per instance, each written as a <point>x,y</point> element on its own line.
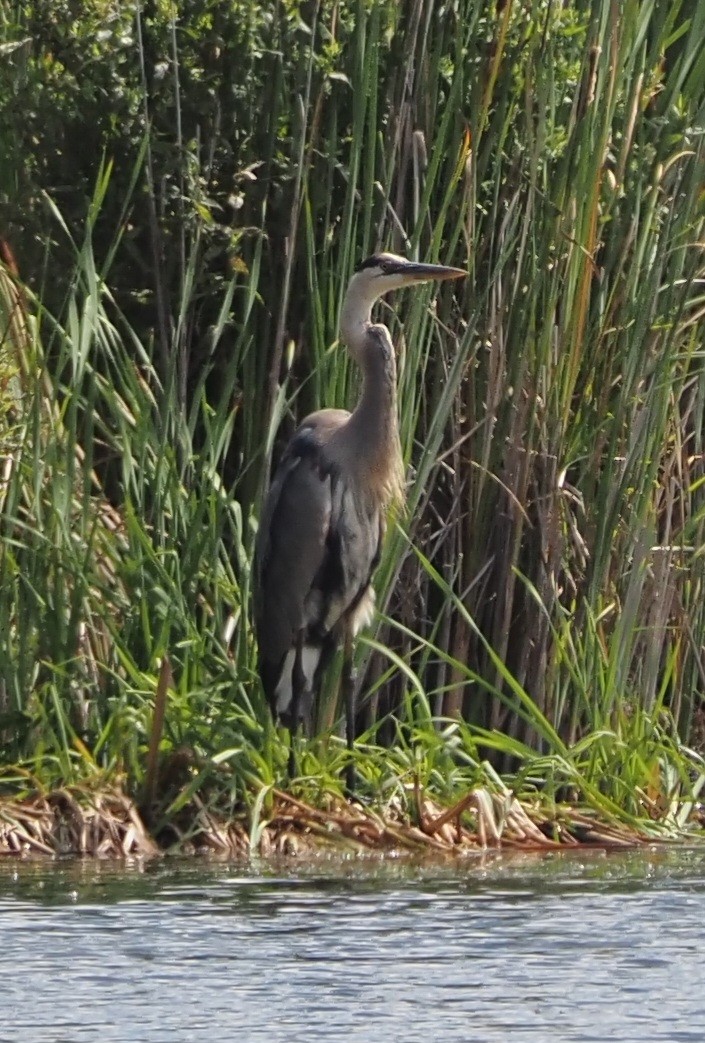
<point>376,276</point>
<point>384,272</point>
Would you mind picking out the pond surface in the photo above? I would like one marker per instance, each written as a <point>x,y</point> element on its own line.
<point>579,947</point>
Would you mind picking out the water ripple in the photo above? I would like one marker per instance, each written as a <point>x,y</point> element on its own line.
<point>547,950</point>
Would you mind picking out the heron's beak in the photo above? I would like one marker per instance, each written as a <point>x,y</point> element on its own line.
<point>411,272</point>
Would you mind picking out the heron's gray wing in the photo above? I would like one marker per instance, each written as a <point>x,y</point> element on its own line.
<point>291,546</point>
<point>352,552</point>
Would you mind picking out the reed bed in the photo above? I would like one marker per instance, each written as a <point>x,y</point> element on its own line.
<point>184,196</point>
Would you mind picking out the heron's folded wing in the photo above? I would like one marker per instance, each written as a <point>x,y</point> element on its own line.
<point>291,545</point>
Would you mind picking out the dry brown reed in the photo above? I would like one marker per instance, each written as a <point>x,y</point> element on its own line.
<point>107,824</point>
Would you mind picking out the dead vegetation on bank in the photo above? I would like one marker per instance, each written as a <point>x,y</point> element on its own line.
<point>108,824</point>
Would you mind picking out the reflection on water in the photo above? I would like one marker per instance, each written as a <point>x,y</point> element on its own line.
<point>554,948</point>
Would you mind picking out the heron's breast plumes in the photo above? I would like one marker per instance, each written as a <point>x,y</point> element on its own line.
<point>363,613</point>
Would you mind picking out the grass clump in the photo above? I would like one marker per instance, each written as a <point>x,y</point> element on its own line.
<point>541,629</point>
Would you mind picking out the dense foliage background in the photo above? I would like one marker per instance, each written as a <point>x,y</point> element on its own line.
<point>184,193</point>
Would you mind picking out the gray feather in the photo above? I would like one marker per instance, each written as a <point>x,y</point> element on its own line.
<point>317,546</point>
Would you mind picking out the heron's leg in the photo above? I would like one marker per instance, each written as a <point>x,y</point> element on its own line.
<point>349,677</point>
<point>298,689</point>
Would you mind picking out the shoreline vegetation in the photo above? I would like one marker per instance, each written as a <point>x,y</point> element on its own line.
<point>107,824</point>
<point>183,199</point>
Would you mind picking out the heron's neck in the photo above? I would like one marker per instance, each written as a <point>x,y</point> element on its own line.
<point>355,320</point>
<point>373,426</point>
<point>377,404</point>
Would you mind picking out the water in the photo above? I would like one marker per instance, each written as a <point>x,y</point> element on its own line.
<point>599,947</point>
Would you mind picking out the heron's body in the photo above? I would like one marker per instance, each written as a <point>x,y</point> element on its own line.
<point>318,561</point>
<point>323,521</point>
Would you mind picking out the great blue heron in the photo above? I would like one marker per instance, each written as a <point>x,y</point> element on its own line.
<point>323,520</point>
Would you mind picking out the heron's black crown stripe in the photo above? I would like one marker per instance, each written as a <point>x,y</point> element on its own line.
<point>374,261</point>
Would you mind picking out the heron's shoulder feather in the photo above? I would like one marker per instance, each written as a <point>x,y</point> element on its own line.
<point>318,428</point>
